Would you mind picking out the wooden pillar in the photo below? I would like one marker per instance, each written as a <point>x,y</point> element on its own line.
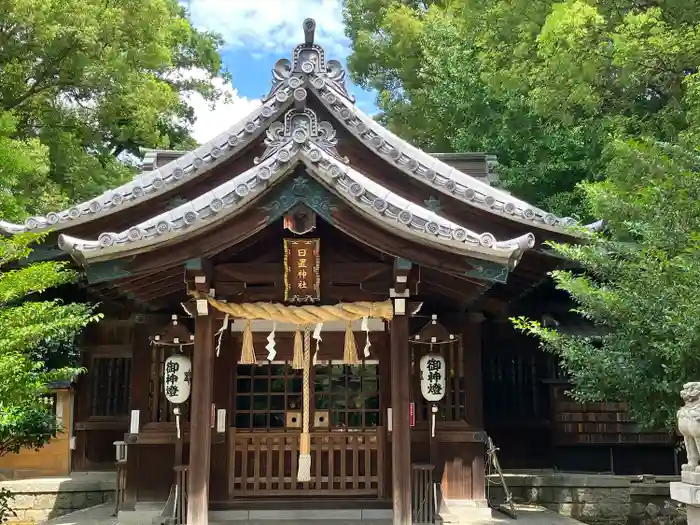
<point>401,430</point>
<point>200,420</point>
<point>140,383</point>
<point>471,341</point>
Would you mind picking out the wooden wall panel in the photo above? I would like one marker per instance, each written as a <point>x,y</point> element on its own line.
<point>155,467</point>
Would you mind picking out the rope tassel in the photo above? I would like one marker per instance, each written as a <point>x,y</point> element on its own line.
<point>298,358</point>
<point>350,353</point>
<point>248,350</point>
<point>304,472</point>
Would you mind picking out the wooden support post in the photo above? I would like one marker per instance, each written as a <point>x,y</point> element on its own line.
<point>140,375</point>
<point>200,420</point>
<point>401,430</point>
<point>471,341</point>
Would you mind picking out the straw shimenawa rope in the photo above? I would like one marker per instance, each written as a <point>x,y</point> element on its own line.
<point>304,472</point>
<point>303,314</point>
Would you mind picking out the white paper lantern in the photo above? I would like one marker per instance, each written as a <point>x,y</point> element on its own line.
<point>432,377</point>
<point>177,378</point>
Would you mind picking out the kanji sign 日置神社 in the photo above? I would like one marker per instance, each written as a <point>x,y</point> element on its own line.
<point>302,277</point>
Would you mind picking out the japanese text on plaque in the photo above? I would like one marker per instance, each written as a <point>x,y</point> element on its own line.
<point>301,265</point>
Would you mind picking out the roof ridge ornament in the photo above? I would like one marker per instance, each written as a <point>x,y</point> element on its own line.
<point>301,126</point>
<point>308,63</point>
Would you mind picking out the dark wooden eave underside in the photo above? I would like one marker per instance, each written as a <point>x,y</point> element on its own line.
<point>251,271</point>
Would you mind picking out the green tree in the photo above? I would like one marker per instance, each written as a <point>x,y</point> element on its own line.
<point>89,80</point>
<point>591,106</point>
<point>27,320</point>
<point>544,85</point>
<point>641,284</point>
<point>32,325</point>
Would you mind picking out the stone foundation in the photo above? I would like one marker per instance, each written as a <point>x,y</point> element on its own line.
<point>596,499</point>
<point>40,499</point>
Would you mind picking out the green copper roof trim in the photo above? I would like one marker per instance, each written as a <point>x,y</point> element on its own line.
<point>301,189</point>
<point>403,264</point>
<point>107,271</point>
<point>488,271</point>
<point>44,252</point>
<point>193,264</point>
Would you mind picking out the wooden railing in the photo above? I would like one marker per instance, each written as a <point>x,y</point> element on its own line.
<point>342,463</point>
<point>422,495</point>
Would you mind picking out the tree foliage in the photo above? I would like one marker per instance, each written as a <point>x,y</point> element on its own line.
<point>641,284</point>
<point>83,81</point>
<point>593,107</point>
<point>28,321</point>
<point>34,332</point>
<point>544,85</point>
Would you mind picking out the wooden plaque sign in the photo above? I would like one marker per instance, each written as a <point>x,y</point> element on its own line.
<point>302,275</point>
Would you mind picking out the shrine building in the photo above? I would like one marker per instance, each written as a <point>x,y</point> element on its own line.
<point>268,301</point>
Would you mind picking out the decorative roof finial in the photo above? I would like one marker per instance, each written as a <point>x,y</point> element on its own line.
<point>309,26</point>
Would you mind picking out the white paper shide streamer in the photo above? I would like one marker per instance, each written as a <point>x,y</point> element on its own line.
<point>365,329</point>
<point>317,336</point>
<point>220,334</point>
<point>270,347</point>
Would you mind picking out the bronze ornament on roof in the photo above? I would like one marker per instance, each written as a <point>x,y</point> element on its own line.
<point>308,63</point>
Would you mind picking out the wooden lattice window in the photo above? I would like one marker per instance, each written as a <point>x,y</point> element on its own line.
<point>111,386</point>
<point>159,407</point>
<point>350,393</point>
<point>265,393</point>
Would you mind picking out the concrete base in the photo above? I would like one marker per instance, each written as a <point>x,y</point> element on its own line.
<point>688,493</point>
<point>691,477</point>
<point>145,512</point>
<point>527,515</point>
<point>465,511</point>
<point>452,512</point>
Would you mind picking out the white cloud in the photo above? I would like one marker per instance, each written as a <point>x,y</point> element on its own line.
<point>271,25</point>
<point>214,119</point>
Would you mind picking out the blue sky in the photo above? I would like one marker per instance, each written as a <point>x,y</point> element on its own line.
<point>258,33</point>
<point>251,75</point>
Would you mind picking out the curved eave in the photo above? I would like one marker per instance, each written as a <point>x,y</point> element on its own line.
<point>150,184</point>
<point>431,171</point>
<point>384,208</point>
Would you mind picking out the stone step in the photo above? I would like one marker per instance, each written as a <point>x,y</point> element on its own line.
<point>302,522</point>
<point>146,512</point>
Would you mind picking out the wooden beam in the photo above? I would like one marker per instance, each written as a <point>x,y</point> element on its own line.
<point>167,289</point>
<point>401,430</point>
<point>134,285</point>
<point>146,290</point>
<point>200,421</point>
<point>336,272</point>
<point>237,290</point>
